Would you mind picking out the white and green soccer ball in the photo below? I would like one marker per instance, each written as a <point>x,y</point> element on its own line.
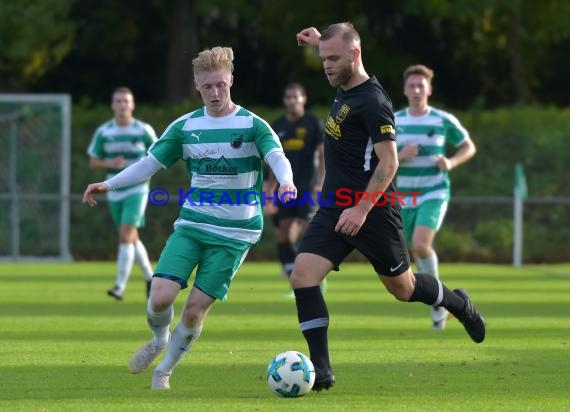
<point>290,374</point>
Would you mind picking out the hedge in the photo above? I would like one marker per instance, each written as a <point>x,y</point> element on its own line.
<point>535,136</point>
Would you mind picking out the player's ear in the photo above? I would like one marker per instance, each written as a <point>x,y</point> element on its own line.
<point>356,54</point>
<point>231,80</point>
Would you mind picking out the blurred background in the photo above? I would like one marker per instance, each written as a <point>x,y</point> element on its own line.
<point>501,66</point>
<point>487,53</point>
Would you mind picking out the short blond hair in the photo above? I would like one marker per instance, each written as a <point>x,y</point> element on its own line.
<point>216,58</point>
<point>419,69</point>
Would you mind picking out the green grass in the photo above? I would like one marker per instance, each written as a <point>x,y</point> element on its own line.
<point>65,344</point>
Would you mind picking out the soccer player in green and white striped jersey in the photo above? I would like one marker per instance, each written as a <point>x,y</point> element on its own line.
<point>223,146</point>
<point>116,144</point>
<point>423,132</point>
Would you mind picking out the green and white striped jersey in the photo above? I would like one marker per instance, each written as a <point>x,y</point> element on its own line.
<point>131,142</point>
<point>223,158</point>
<point>431,132</point>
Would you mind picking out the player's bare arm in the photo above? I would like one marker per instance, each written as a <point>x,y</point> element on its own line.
<point>409,151</point>
<point>352,219</point>
<point>269,187</point>
<point>321,170</point>
<point>465,152</point>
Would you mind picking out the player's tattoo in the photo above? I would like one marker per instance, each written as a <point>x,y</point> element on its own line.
<point>378,176</point>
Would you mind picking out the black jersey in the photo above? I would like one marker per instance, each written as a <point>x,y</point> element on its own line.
<point>300,139</point>
<point>359,118</point>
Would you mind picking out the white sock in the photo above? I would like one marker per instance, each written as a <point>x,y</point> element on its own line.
<point>180,343</point>
<point>429,266</point>
<point>141,259</point>
<point>159,323</point>
<point>125,259</point>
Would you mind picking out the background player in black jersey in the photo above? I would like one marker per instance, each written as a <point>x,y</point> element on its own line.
<point>360,159</point>
<point>301,135</point>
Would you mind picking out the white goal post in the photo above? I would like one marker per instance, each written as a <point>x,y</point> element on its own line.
<point>35,134</point>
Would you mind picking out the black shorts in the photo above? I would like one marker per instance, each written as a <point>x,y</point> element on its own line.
<point>381,239</point>
<point>300,208</point>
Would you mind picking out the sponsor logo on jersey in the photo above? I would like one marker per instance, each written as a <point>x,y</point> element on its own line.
<point>387,129</point>
<point>293,145</point>
<point>301,133</point>
<point>332,128</point>
<point>221,166</point>
<point>237,140</point>
<point>341,114</point>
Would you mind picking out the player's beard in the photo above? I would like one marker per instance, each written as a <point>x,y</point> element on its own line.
<point>343,76</point>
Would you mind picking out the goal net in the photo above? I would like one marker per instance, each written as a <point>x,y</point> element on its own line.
<point>35,134</point>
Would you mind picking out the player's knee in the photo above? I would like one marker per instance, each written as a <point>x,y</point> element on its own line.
<point>158,304</point>
<point>401,294</point>
<point>302,278</point>
<point>309,270</point>
<point>295,279</point>
<point>160,301</point>
<point>401,291</point>
<point>193,315</point>
<point>421,247</point>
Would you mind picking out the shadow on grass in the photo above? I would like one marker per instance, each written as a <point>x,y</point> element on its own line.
<point>244,380</point>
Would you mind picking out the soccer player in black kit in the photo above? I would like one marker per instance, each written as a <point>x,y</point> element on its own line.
<point>301,135</point>
<point>361,160</point>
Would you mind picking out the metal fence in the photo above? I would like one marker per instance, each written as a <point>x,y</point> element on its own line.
<point>34,186</point>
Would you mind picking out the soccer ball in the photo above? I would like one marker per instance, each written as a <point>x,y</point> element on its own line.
<point>290,374</point>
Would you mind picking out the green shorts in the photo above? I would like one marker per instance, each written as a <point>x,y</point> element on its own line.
<point>217,261</point>
<point>130,210</point>
<point>430,213</point>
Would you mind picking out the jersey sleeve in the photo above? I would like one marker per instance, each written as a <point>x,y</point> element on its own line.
<point>455,133</point>
<point>266,140</point>
<point>95,148</point>
<point>150,135</point>
<point>168,148</point>
<point>379,121</point>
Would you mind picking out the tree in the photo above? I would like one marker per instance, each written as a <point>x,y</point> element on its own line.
<point>182,47</point>
<point>485,53</point>
<point>35,36</point>
<point>503,42</point>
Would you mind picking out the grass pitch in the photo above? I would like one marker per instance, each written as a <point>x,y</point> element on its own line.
<point>65,344</point>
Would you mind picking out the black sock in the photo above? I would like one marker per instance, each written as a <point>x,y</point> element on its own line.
<point>314,322</point>
<point>427,291</point>
<point>286,255</point>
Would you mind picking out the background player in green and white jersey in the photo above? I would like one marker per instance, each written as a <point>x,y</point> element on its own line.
<point>223,146</point>
<point>423,132</point>
<point>117,144</point>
